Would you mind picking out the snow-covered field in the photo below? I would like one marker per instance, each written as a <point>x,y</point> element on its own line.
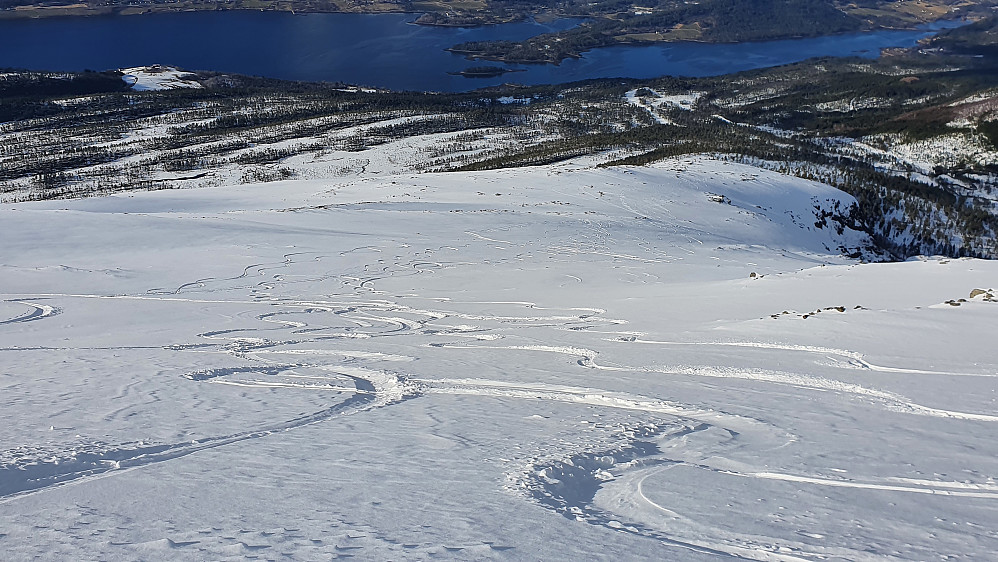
<point>560,362</point>
<point>158,77</point>
<point>653,101</point>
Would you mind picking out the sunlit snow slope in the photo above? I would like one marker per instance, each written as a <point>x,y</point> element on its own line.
<point>562,362</point>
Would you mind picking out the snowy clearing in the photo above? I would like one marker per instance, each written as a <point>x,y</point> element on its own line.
<point>653,102</point>
<point>557,362</point>
<point>156,77</point>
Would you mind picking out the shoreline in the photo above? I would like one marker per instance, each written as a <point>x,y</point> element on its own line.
<point>927,27</point>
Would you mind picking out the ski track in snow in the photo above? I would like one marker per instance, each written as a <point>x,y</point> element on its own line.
<point>22,479</point>
<point>856,360</point>
<point>587,358</point>
<point>37,312</point>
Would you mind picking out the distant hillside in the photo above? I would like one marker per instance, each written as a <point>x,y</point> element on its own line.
<point>979,38</point>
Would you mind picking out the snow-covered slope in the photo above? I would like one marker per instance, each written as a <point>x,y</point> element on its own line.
<point>561,362</point>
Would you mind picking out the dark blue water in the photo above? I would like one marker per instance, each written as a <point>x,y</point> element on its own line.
<point>376,50</point>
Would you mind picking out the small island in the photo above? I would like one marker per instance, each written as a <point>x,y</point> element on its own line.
<point>485,71</point>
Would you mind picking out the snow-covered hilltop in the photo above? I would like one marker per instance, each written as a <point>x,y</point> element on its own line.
<point>557,362</point>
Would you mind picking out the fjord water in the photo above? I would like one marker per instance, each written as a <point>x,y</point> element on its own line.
<point>384,50</point>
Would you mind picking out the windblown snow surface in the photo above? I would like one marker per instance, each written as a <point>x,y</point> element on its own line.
<point>559,362</point>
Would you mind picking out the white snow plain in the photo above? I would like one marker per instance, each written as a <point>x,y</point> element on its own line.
<point>562,362</point>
